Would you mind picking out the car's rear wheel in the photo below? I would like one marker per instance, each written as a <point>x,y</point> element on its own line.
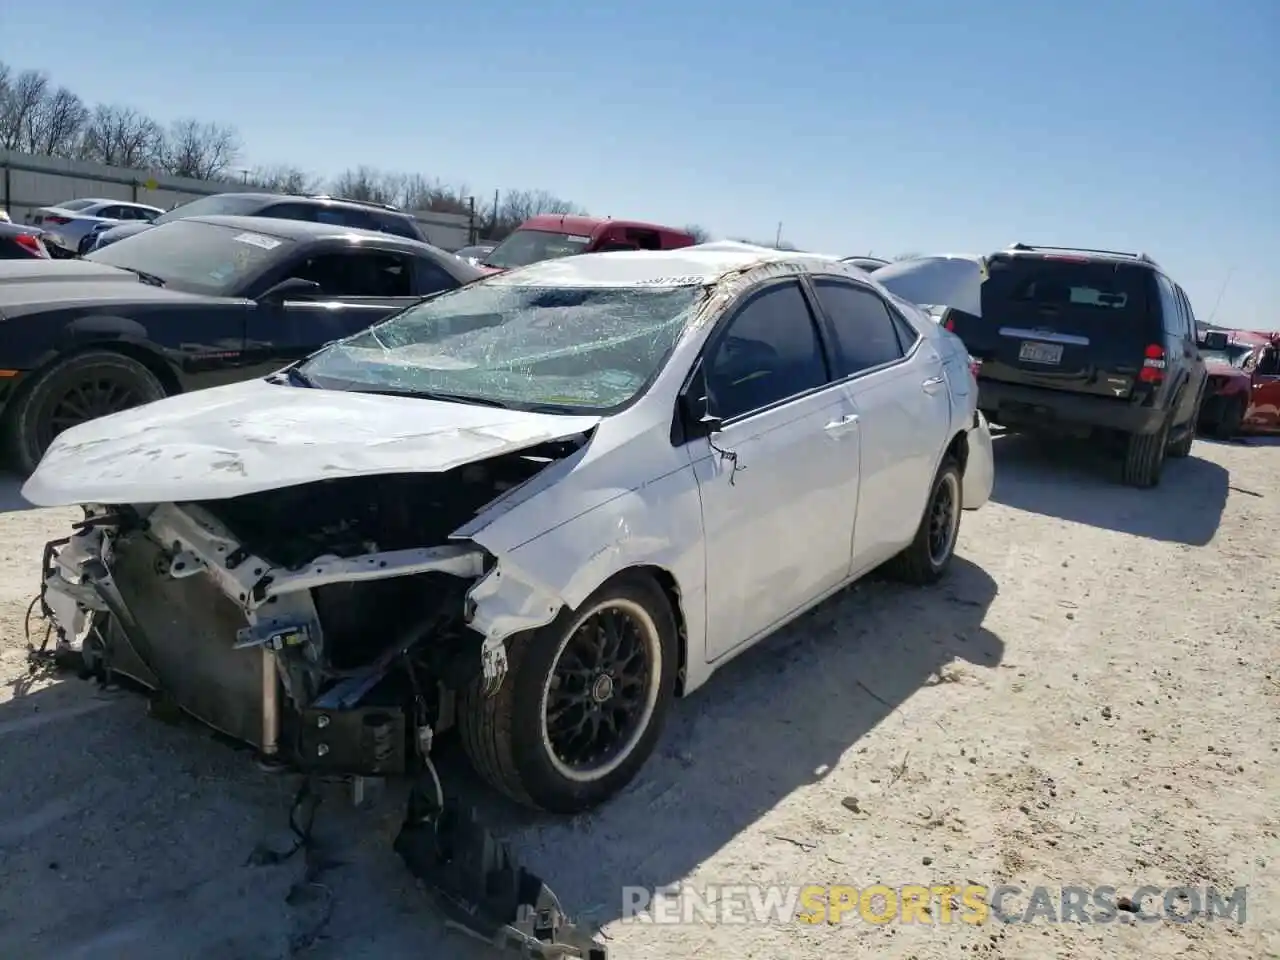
<point>76,389</point>
<point>1231,420</point>
<point>1144,457</point>
<point>1182,447</point>
<point>926,560</point>
<point>583,702</point>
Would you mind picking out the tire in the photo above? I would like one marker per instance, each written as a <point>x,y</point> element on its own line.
<point>1228,424</point>
<point>31,421</point>
<point>508,737</point>
<point>1144,457</point>
<point>929,556</point>
<point>1183,447</point>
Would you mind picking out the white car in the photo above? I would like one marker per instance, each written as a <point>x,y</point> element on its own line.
<point>539,507</point>
<point>67,224</point>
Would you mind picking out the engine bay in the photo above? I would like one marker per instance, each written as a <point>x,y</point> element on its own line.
<point>359,515</point>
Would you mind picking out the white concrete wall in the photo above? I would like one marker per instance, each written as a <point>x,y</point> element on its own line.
<point>28,182</point>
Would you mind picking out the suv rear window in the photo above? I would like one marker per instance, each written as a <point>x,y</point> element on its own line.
<point>1076,286</point>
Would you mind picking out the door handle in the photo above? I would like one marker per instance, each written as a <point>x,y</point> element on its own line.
<point>932,384</point>
<point>844,423</point>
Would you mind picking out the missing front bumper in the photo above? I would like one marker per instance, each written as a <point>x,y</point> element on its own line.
<point>181,608</point>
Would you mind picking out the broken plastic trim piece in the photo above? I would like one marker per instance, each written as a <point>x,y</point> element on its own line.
<point>480,889</point>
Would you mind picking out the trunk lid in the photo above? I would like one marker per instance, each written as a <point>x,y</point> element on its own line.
<point>1063,322</point>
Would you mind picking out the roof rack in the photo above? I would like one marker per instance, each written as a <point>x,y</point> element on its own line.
<point>1111,253</point>
<point>362,203</point>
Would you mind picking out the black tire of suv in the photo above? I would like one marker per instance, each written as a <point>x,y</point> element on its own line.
<point>1232,418</point>
<point>1144,457</point>
<point>1183,447</point>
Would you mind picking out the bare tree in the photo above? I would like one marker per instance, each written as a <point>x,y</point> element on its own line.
<point>367,184</point>
<point>201,151</point>
<point>284,179</point>
<point>420,193</point>
<point>517,206</point>
<point>56,125</point>
<point>121,137</point>
<point>699,234</point>
<point>23,96</point>
<point>906,256</point>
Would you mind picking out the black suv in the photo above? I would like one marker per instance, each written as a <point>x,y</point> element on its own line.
<point>1079,341</point>
<point>335,211</point>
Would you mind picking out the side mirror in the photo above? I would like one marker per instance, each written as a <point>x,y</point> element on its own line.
<point>696,407</point>
<point>293,288</point>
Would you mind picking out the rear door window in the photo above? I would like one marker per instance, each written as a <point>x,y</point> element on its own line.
<point>1171,308</point>
<point>396,226</point>
<point>866,335</point>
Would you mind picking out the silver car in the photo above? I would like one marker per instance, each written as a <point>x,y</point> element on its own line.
<point>66,224</point>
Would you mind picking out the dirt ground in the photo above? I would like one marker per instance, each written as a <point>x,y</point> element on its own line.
<point>1090,699</point>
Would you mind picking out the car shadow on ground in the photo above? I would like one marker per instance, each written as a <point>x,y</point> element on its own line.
<point>150,828</point>
<point>1078,481</point>
<point>11,493</point>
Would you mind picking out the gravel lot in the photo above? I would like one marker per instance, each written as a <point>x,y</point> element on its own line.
<point>1091,698</point>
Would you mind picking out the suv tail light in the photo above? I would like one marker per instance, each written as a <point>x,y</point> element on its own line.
<point>1153,365</point>
<point>57,221</point>
<point>31,242</point>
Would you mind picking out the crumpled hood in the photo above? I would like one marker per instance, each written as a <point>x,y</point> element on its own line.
<point>254,436</point>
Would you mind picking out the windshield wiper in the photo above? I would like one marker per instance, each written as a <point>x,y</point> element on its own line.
<point>291,375</point>
<point>145,277</point>
<point>438,395</point>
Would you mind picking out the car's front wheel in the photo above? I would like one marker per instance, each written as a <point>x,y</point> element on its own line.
<point>78,388</point>
<point>583,702</point>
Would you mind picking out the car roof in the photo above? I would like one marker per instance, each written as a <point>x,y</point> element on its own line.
<point>268,198</point>
<point>1083,253</point>
<point>699,265</point>
<point>303,229</point>
<point>572,223</point>
<point>306,230</point>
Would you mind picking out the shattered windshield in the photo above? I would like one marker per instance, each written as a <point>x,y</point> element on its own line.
<point>574,348</point>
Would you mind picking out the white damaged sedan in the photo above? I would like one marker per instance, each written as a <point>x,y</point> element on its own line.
<point>537,508</point>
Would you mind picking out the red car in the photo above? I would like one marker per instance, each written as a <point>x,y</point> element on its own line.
<point>1243,390</point>
<point>553,235</point>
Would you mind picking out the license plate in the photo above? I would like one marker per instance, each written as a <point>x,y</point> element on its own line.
<point>1033,352</point>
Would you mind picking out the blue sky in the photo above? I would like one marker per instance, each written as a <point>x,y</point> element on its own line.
<point>920,125</point>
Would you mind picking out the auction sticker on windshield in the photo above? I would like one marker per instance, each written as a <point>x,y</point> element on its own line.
<point>258,240</point>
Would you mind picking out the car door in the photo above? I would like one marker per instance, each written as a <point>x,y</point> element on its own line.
<point>779,480</point>
<point>896,381</point>
<point>359,285</point>
<point>1264,407</point>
